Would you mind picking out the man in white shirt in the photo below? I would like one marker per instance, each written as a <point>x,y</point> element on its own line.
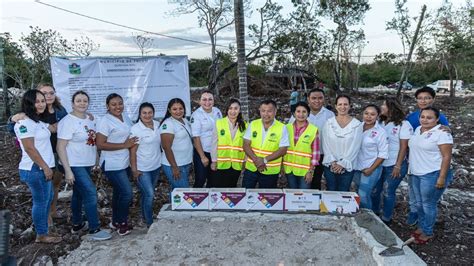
<point>318,117</point>
<point>265,143</point>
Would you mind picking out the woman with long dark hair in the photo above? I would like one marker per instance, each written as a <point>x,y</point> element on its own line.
<point>114,141</point>
<point>145,158</point>
<point>37,161</point>
<point>177,144</point>
<point>227,151</point>
<point>395,167</point>
<point>52,115</point>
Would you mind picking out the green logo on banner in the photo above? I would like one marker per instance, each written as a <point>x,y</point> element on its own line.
<point>74,69</point>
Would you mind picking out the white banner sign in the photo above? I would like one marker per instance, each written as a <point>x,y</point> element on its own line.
<point>136,79</point>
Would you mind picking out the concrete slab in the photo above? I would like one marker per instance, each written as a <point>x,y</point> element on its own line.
<point>246,238</point>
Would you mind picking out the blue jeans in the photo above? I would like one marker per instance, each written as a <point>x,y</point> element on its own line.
<point>182,181</point>
<point>427,197</point>
<point>147,183</point>
<point>251,179</point>
<point>122,194</point>
<point>84,194</point>
<point>297,182</point>
<point>42,195</point>
<point>201,172</point>
<point>411,196</point>
<point>387,186</point>
<point>366,184</point>
<point>338,182</point>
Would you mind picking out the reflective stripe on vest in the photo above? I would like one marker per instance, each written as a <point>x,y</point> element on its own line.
<point>269,145</point>
<point>230,152</point>
<point>298,157</point>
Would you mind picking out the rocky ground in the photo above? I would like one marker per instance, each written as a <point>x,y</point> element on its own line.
<point>454,230</point>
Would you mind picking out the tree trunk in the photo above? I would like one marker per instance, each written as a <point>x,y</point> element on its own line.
<point>412,47</point>
<point>241,57</point>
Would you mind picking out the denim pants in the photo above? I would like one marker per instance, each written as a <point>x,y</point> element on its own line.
<point>201,172</point>
<point>147,183</point>
<point>251,179</point>
<point>387,186</point>
<point>427,197</point>
<point>338,182</point>
<point>411,196</point>
<point>84,194</point>
<point>42,195</point>
<point>182,181</point>
<point>122,194</point>
<point>366,184</point>
<point>297,182</point>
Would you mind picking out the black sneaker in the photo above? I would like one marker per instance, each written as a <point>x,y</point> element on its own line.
<point>79,228</point>
<point>124,229</point>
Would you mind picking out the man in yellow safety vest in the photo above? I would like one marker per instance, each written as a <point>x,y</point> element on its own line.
<point>265,143</point>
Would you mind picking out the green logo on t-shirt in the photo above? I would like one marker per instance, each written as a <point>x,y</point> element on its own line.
<point>164,126</point>
<point>23,129</point>
<point>192,120</point>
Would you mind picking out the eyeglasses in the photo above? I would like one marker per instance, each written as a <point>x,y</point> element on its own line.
<point>424,98</point>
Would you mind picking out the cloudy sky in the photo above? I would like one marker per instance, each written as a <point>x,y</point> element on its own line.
<point>153,16</point>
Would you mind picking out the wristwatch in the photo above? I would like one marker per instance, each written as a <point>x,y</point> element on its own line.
<point>265,160</point>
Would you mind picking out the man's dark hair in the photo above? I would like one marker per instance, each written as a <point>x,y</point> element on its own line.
<point>425,89</point>
<point>316,90</point>
<point>268,101</point>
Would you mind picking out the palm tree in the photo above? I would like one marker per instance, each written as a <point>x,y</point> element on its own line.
<point>241,56</point>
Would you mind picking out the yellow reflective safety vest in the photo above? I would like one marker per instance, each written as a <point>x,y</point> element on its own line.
<point>269,145</point>
<point>298,157</point>
<point>230,152</point>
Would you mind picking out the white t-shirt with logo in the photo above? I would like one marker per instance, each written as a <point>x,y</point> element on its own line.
<point>116,131</point>
<point>374,145</point>
<point>28,128</point>
<point>425,155</point>
<point>202,125</point>
<point>80,133</point>
<point>149,147</point>
<point>394,135</point>
<point>182,146</point>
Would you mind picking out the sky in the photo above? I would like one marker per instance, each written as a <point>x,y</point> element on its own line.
<point>153,16</point>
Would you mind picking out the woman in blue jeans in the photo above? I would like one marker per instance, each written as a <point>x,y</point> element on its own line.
<point>372,153</point>
<point>177,144</point>
<point>37,161</point>
<point>145,158</point>
<point>78,153</point>
<point>430,159</point>
<point>398,132</point>
<point>341,137</point>
<point>114,141</point>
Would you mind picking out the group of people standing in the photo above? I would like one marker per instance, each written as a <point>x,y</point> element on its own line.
<point>315,142</point>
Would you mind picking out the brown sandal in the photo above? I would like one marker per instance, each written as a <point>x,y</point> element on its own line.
<point>48,239</point>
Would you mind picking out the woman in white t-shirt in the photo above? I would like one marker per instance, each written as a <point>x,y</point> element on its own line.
<point>341,137</point>
<point>114,141</point>
<point>145,158</point>
<point>203,122</point>
<point>177,145</point>
<point>78,154</point>
<point>37,160</point>
<point>430,160</point>
<point>398,131</point>
<point>372,153</point>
